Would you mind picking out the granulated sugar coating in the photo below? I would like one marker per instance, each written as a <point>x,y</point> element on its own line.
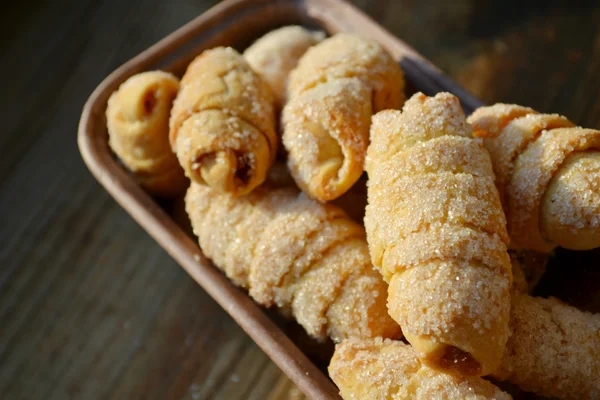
<point>332,94</point>
<point>275,54</point>
<point>346,55</point>
<point>437,232</point>
<point>326,133</point>
<point>222,124</point>
<point>548,201</point>
<point>137,118</point>
<point>571,203</point>
<point>377,369</point>
<point>554,349</point>
<point>295,253</point>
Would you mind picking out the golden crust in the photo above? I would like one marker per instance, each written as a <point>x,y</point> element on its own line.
<point>534,170</point>
<point>570,208</point>
<point>489,121</point>
<point>222,124</point>
<point>554,349</point>
<point>444,304</point>
<point>276,53</point>
<point>540,189</point>
<point>438,234</point>
<point>377,369</point>
<point>137,118</point>
<point>297,254</point>
<point>326,133</point>
<point>346,55</point>
<point>332,94</point>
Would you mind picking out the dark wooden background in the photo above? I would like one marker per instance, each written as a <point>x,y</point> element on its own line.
<point>90,306</point>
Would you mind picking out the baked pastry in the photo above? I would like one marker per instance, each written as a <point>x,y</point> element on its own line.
<point>332,93</point>
<point>436,231</point>
<point>137,118</point>
<point>292,252</point>
<point>548,172</point>
<point>223,123</point>
<point>377,369</point>
<point>553,350</point>
<point>276,53</point>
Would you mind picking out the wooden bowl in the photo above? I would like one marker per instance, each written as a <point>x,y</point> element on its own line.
<point>237,23</point>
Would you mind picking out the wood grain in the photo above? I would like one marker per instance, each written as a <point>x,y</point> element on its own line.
<point>90,306</point>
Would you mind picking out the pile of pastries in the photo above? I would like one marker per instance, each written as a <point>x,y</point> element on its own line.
<point>426,297</point>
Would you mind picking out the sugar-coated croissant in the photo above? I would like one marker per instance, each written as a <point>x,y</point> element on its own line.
<point>289,251</point>
<point>548,173</point>
<point>332,93</point>
<point>437,232</point>
<point>553,350</point>
<point>275,54</point>
<point>223,123</point>
<point>137,118</point>
<point>377,369</point>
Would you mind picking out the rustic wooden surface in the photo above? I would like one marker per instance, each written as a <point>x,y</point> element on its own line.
<point>90,306</point>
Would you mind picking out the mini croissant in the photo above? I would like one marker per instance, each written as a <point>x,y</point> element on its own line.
<point>376,369</point>
<point>548,173</point>
<point>309,259</point>
<point>223,123</point>
<point>553,350</point>
<point>436,230</point>
<point>332,93</point>
<point>137,118</point>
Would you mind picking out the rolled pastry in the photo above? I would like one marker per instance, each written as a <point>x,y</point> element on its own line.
<point>332,93</point>
<point>137,118</point>
<point>223,123</point>
<point>548,172</point>
<point>275,54</point>
<point>376,369</point>
<point>436,230</point>
<point>553,350</point>
<point>289,251</point>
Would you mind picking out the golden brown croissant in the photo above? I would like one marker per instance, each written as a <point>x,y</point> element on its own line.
<point>275,54</point>
<point>548,173</point>
<point>223,123</point>
<point>553,350</point>
<point>295,253</point>
<point>332,93</point>
<point>437,232</point>
<point>376,369</point>
<point>137,118</point>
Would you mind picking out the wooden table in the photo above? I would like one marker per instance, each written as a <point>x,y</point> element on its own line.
<point>90,306</point>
